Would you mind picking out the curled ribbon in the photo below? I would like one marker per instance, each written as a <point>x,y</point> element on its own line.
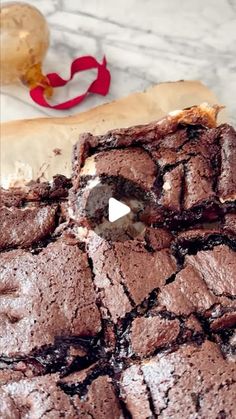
<point>99,86</point>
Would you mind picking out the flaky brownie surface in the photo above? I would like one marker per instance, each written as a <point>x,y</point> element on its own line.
<point>186,169</point>
<point>31,214</point>
<point>138,328</point>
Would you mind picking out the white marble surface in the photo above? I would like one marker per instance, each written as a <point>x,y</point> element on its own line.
<point>145,42</point>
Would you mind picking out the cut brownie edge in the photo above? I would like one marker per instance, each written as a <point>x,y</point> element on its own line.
<point>25,227</point>
<point>31,215</point>
<point>36,191</point>
<point>185,181</point>
<point>201,115</point>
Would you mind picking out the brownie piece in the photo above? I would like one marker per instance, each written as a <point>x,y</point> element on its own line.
<point>125,273</point>
<point>44,397</point>
<point>227,178</point>
<point>133,164</point>
<point>186,169</point>
<point>35,398</point>
<point>158,238</point>
<point>22,227</point>
<point>194,381</point>
<point>149,333</point>
<point>44,297</point>
<point>135,393</point>
<point>217,267</point>
<point>36,191</point>
<point>30,215</point>
<point>205,285</point>
<point>98,400</point>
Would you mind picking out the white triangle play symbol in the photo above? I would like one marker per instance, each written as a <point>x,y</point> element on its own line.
<point>116,210</point>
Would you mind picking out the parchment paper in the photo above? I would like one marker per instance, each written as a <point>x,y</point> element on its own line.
<point>41,148</point>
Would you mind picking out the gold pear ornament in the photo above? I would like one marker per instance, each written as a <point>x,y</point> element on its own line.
<point>24,39</point>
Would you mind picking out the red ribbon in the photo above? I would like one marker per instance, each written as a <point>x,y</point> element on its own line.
<point>99,86</point>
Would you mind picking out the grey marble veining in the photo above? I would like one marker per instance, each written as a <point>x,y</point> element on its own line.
<point>145,42</point>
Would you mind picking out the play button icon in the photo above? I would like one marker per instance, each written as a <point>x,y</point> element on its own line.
<point>117,210</point>
<point>111,208</point>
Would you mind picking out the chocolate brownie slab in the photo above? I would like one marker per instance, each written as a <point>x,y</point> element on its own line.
<point>149,333</point>
<point>142,327</point>
<point>186,165</point>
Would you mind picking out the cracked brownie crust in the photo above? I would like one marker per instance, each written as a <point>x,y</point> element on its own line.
<point>43,296</point>
<point>142,328</point>
<point>188,170</point>
<point>192,382</point>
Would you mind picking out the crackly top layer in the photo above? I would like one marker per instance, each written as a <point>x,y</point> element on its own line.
<point>140,328</point>
<point>30,214</point>
<point>45,296</point>
<point>187,164</point>
<point>160,290</point>
<point>193,382</point>
<point>43,397</point>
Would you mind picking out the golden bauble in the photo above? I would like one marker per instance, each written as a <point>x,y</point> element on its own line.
<point>24,42</point>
